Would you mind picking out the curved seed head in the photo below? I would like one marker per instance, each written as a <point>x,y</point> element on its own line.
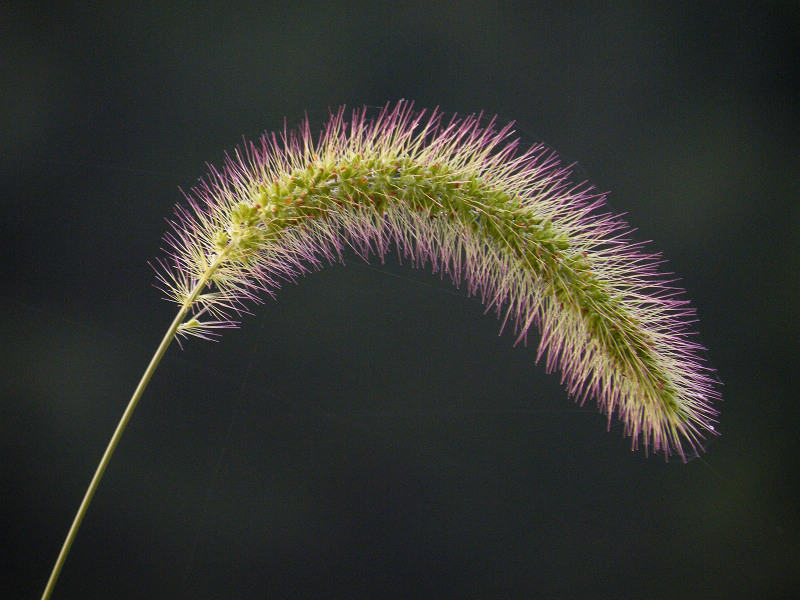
<point>462,195</point>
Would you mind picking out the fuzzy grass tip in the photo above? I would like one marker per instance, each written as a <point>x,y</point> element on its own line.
<point>460,194</point>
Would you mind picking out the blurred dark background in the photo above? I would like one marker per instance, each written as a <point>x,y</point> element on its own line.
<point>368,434</point>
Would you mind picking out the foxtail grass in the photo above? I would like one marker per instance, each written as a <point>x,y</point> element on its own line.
<point>462,195</point>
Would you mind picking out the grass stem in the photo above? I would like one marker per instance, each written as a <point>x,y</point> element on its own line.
<point>87,498</point>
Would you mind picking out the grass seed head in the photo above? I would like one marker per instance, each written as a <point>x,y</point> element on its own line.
<point>459,194</point>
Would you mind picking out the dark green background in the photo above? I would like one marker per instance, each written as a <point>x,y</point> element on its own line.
<point>368,434</point>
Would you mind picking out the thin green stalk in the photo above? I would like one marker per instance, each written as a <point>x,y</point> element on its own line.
<point>87,498</point>
<point>126,416</point>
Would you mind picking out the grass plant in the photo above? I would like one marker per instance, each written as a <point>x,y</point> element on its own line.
<point>460,194</point>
